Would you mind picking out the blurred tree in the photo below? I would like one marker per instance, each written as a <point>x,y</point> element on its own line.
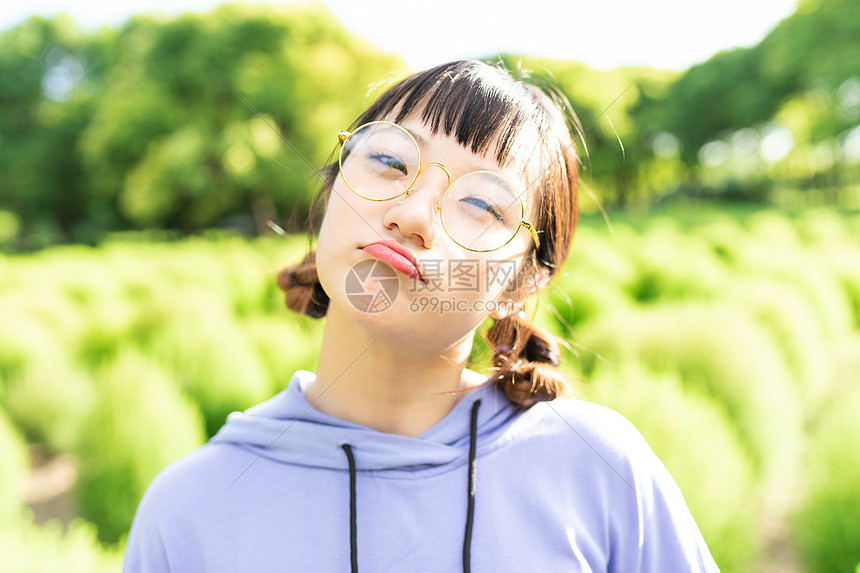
<point>816,47</point>
<point>48,88</point>
<point>154,125</point>
<point>804,76</point>
<point>612,148</point>
<point>176,141</point>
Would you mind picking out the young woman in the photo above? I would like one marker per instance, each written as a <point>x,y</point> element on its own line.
<point>453,199</point>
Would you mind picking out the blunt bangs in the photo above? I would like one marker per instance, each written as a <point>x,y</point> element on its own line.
<point>475,103</point>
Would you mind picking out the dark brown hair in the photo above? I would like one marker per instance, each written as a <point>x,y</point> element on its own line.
<point>480,104</point>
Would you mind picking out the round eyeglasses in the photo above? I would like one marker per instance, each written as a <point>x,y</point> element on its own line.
<point>481,211</point>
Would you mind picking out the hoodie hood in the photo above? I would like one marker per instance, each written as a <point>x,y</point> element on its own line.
<point>288,428</point>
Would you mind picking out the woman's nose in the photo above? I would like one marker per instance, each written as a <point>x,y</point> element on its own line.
<point>416,214</point>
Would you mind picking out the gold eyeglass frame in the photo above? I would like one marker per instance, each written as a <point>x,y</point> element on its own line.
<point>344,136</point>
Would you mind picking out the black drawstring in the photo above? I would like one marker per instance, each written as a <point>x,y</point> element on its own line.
<point>470,511</point>
<point>353,517</point>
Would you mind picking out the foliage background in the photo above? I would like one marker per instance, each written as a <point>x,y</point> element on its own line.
<point>717,305</point>
<point>153,125</point>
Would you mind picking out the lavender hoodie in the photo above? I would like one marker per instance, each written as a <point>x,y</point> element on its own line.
<point>565,486</point>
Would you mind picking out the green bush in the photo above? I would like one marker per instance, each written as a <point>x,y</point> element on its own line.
<point>44,304</point>
<point>581,296</point>
<point>673,265</point>
<point>723,237</point>
<point>275,253</point>
<point>29,548</point>
<point>825,227</point>
<point>822,291</point>
<point>696,441</point>
<point>603,252</point>
<point>238,272</point>
<point>790,320</point>
<point>77,272</point>
<point>718,351</point>
<point>283,344</point>
<point>49,400</point>
<point>247,275</point>
<point>22,340</point>
<point>769,227</point>
<point>195,263</point>
<point>113,323</point>
<point>140,424</point>
<point>203,349</point>
<point>14,470</point>
<point>842,262</point>
<point>826,526</point>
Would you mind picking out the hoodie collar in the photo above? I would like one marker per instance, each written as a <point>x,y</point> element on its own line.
<point>287,428</point>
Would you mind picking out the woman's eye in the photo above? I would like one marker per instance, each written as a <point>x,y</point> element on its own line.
<point>484,206</point>
<point>384,162</point>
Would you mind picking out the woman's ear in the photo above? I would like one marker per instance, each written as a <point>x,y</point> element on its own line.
<point>541,278</point>
<point>535,284</point>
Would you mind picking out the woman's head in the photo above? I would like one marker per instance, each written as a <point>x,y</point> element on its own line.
<point>515,128</point>
<point>491,113</point>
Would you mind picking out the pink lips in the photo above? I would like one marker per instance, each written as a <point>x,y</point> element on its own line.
<point>398,257</point>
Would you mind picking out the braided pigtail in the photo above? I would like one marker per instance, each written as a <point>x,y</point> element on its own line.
<point>304,292</point>
<point>526,359</point>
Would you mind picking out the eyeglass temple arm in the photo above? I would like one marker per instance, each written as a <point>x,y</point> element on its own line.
<point>343,135</point>
<point>532,230</point>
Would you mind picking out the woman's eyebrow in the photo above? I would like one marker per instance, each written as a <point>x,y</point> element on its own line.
<point>418,137</point>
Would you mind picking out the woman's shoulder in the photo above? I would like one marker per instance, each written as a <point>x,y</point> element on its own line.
<point>583,429</point>
<point>196,477</point>
<point>190,509</point>
<point>566,417</point>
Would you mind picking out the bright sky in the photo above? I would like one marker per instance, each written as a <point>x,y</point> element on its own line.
<point>669,34</point>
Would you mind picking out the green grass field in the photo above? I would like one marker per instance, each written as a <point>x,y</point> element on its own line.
<point>730,338</point>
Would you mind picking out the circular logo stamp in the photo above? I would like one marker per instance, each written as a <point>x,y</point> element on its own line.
<point>371,286</point>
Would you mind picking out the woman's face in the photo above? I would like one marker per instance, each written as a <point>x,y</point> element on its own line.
<point>366,251</point>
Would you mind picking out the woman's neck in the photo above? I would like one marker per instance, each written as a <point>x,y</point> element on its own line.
<point>373,379</point>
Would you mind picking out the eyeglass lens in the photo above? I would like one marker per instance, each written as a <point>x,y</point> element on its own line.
<point>481,210</point>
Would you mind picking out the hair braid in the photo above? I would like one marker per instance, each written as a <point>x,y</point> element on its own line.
<point>302,286</point>
<point>526,359</point>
